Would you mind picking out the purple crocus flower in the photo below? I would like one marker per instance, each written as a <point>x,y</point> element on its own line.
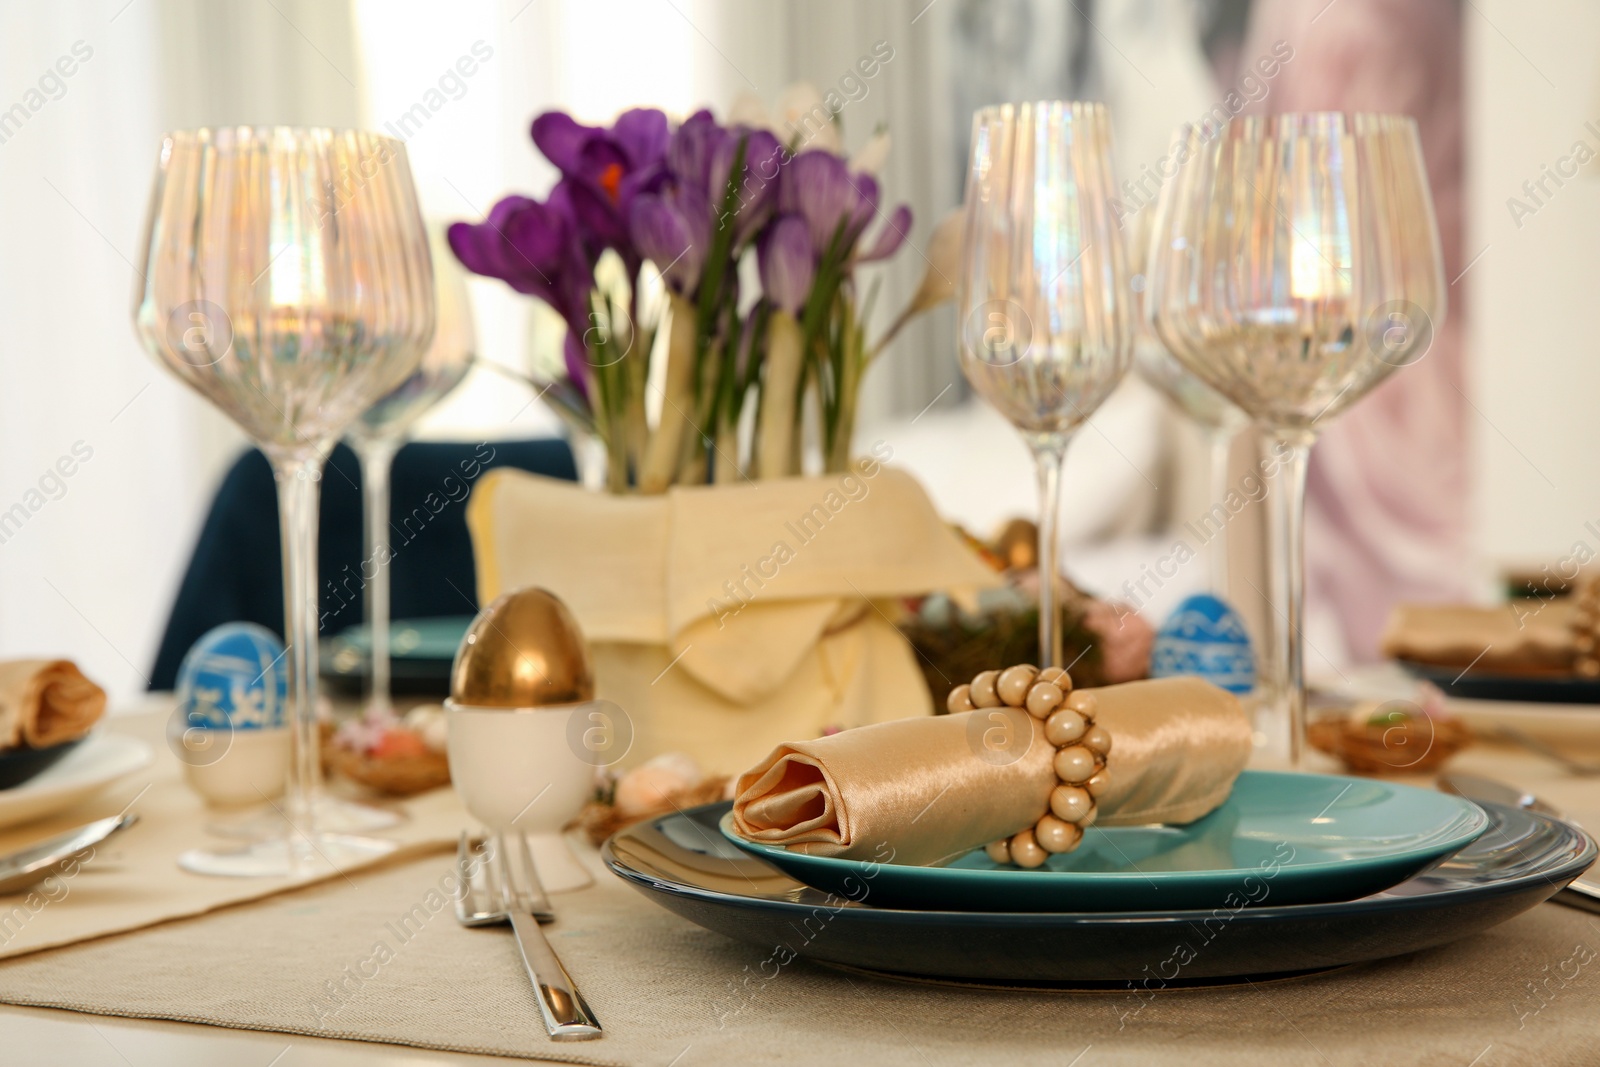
<point>757,195</point>
<point>672,229</point>
<point>787,263</point>
<point>691,150</point>
<point>536,249</point>
<point>606,169</point>
<point>816,186</point>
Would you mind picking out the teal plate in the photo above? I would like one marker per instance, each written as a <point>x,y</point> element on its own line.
<point>1279,839</point>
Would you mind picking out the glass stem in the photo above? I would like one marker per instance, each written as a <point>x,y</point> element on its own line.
<point>1289,587</point>
<point>377,462</point>
<point>299,478</point>
<point>1220,440</point>
<point>1048,455</point>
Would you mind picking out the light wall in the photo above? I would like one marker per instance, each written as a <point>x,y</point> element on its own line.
<point>1534,81</point>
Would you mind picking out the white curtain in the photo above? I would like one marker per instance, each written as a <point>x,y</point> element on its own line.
<point>89,559</point>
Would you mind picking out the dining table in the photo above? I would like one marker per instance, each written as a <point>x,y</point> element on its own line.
<point>140,963</point>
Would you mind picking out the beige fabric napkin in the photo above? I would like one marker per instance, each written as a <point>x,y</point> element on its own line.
<point>1523,635</point>
<point>726,618</point>
<point>933,789</point>
<point>45,702</point>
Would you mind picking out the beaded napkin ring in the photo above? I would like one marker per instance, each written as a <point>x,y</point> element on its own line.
<point>1080,760</point>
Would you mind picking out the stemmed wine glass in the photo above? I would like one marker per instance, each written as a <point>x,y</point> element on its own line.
<point>1046,325</point>
<point>1295,264</point>
<point>1217,417</point>
<point>287,279</point>
<point>383,428</point>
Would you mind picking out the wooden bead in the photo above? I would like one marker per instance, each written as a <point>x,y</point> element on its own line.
<point>959,700</point>
<point>1050,674</point>
<point>1097,740</point>
<point>1088,820</point>
<point>1075,765</point>
<point>1044,698</point>
<point>998,851</point>
<point>983,692</point>
<point>1098,784</point>
<point>1071,803</point>
<point>1056,835</point>
<point>1014,683</point>
<point>1064,726</point>
<point>1025,851</point>
<point>1084,703</point>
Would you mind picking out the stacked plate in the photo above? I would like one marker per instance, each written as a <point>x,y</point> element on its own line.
<point>1295,873</point>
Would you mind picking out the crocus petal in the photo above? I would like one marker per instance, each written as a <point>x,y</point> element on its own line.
<point>691,149</point>
<point>517,232</point>
<point>561,138</point>
<point>597,218</point>
<point>471,247</point>
<point>890,237</point>
<point>865,187</point>
<point>642,134</point>
<point>576,359</point>
<point>664,233</point>
<point>816,185</point>
<point>786,263</point>
<point>757,196</point>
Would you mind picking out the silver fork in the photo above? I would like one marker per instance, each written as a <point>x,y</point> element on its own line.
<point>493,892</point>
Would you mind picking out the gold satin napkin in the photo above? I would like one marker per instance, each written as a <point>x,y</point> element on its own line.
<point>933,789</point>
<point>45,702</point>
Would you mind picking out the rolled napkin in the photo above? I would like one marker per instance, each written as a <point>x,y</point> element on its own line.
<point>935,788</point>
<point>46,702</point>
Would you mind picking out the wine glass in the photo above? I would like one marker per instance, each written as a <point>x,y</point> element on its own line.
<point>1043,299</point>
<point>383,428</point>
<point>1218,419</point>
<point>287,280</point>
<point>1295,265</point>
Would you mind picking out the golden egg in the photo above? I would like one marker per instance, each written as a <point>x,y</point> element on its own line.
<point>524,650</point>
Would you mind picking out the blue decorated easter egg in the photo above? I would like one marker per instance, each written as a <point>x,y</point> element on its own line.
<point>1205,637</point>
<point>235,677</point>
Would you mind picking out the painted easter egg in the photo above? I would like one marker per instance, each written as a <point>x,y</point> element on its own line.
<point>235,677</point>
<point>1205,637</point>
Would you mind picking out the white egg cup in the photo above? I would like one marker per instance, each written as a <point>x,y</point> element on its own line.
<point>515,769</point>
<point>252,770</point>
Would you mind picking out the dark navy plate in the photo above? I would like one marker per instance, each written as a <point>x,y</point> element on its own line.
<point>18,765</point>
<point>683,862</point>
<point>1524,689</point>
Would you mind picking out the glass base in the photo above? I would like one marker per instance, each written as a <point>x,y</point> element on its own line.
<point>299,856</point>
<point>330,816</point>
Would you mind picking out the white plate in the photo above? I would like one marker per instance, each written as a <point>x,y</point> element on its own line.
<point>82,773</point>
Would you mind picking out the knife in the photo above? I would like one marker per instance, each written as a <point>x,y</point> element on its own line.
<point>1583,892</point>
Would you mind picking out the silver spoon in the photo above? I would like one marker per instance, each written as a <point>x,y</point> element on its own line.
<point>39,861</point>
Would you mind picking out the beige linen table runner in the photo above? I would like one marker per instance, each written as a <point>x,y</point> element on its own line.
<point>374,961</point>
<point>132,880</point>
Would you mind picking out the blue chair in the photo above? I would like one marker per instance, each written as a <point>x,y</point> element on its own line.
<point>236,572</point>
